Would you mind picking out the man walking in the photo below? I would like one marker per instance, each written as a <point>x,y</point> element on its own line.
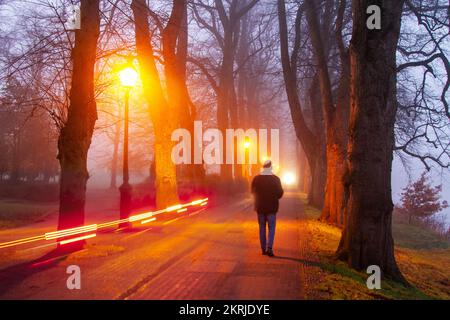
<point>267,190</point>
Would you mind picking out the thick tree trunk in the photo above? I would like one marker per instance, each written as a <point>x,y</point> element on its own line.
<point>335,115</point>
<point>164,114</point>
<point>316,154</point>
<point>187,109</point>
<point>367,237</point>
<point>307,179</point>
<point>75,136</point>
<point>335,192</point>
<point>335,200</point>
<point>166,180</point>
<point>318,167</point>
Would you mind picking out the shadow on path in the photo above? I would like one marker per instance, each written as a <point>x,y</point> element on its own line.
<point>302,261</point>
<point>14,275</point>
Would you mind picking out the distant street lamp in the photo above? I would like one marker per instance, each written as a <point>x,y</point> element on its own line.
<point>128,78</point>
<point>247,164</point>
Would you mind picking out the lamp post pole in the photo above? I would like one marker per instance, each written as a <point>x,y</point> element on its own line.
<point>247,160</point>
<point>125,188</point>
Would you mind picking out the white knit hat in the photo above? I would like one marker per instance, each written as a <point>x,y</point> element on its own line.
<point>267,164</point>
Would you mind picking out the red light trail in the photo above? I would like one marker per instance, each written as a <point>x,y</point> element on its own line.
<point>89,231</point>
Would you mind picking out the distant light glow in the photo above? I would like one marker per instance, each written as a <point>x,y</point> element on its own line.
<point>246,144</point>
<point>128,77</point>
<point>288,178</point>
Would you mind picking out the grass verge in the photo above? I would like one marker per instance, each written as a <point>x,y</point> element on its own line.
<point>15,214</point>
<point>423,258</point>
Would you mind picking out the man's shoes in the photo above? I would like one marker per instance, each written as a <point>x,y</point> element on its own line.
<point>269,252</point>
<point>264,252</point>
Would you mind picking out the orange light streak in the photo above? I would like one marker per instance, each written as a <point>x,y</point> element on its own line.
<point>174,208</point>
<point>94,227</point>
<point>112,223</point>
<point>21,241</point>
<point>78,238</point>
<point>141,216</point>
<point>170,221</point>
<point>147,221</point>
<point>70,232</point>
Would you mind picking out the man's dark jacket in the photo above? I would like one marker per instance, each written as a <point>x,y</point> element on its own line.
<point>267,191</point>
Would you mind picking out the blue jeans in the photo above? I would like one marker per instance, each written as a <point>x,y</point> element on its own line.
<point>263,220</point>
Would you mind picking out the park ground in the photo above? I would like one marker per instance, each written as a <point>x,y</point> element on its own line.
<point>210,254</point>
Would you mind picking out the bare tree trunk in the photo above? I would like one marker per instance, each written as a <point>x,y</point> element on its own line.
<point>195,172</point>
<point>164,114</point>
<point>318,168</point>
<point>336,195</point>
<point>336,115</point>
<point>367,236</point>
<point>316,155</point>
<point>310,139</point>
<point>75,136</point>
<point>224,97</point>
<point>302,167</point>
<point>226,31</point>
<point>16,158</point>
<point>335,192</point>
<point>242,82</point>
<point>226,100</point>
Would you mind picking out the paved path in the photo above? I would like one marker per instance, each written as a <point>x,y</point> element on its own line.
<point>212,255</point>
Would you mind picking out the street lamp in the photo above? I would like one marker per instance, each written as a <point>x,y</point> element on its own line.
<point>128,78</point>
<point>247,164</point>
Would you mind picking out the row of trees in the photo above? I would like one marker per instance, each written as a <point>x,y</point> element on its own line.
<point>355,95</point>
<point>26,151</point>
<point>358,117</point>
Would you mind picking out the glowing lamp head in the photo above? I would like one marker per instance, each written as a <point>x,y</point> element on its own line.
<point>246,144</point>
<point>288,178</point>
<point>128,77</point>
